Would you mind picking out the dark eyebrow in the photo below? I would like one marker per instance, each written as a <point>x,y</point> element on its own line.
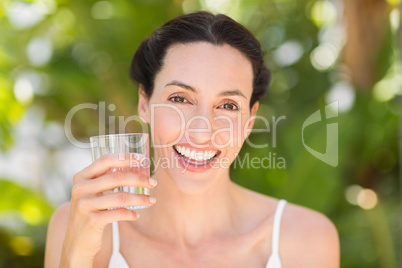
<point>234,92</point>
<point>182,85</point>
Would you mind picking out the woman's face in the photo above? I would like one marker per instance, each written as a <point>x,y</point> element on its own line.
<point>199,110</point>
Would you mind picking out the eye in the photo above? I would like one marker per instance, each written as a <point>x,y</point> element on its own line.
<point>178,99</point>
<point>230,106</point>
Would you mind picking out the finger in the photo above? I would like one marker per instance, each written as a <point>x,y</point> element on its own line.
<point>119,214</point>
<point>112,200</point>
<point>107,162</point>
<point>113,180</point>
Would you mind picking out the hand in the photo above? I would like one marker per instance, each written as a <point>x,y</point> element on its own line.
<point>89,212</point>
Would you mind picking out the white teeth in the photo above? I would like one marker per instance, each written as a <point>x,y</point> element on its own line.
<point>200,156</point>
<point>194,155</point>
<point>178,148</point>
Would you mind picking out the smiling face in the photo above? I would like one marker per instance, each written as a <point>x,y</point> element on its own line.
<point>199,110</point>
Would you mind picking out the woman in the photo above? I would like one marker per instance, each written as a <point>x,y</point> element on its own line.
<point>200,78</point>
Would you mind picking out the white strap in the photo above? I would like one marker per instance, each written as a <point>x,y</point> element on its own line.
<point>116,239</point>
<point>277,225</point>
<point>116,260</point>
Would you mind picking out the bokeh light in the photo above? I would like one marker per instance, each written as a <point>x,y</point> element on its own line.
<point>352,192</point>
<point>362,197</point>
<point>288,53</point>
<point>22,245</point>
<point>344,93</point>
<point>31,212</point>
<point>39,51</point>
<point>102,10</point>
<point>323,13</point>
<point>367,199</point>
<point>394,2</point>
<point>323,56</point>
<point>23,90</point>
<point>25,15</point>
<point>387,88</point>
<point>394,18</point>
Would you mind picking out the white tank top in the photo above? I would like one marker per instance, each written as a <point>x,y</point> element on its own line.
<point>117,260</point>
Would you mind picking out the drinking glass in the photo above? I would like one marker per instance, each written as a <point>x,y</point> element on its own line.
<point>134,146</point>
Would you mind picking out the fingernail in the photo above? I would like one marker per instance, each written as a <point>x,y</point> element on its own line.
<point>152,181</point>
<point>152,199</point>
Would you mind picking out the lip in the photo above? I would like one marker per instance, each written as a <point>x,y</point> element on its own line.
<point>197,149</point>
<point>194,167</point>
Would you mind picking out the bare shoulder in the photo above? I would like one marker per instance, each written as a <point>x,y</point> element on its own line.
<point>55,235</point>
<point>61,213</point>
<point>308,238</point>
<point>59,220</point>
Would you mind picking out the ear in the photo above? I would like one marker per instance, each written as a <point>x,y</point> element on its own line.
<point>251,121</point>
<point>143,105</point>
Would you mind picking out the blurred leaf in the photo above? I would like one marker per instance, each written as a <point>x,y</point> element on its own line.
<point>32,208</point>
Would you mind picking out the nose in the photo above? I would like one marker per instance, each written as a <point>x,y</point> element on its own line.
<point>199,129</point>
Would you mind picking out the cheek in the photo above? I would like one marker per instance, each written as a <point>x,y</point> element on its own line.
<point>166,125</point>
<point>230,132</point>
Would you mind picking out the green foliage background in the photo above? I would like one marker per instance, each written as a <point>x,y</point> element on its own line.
<point>89,64</point>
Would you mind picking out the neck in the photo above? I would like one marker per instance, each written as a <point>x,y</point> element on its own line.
<point>184,217</point>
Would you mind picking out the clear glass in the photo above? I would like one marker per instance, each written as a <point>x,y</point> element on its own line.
<point>132,145</point>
